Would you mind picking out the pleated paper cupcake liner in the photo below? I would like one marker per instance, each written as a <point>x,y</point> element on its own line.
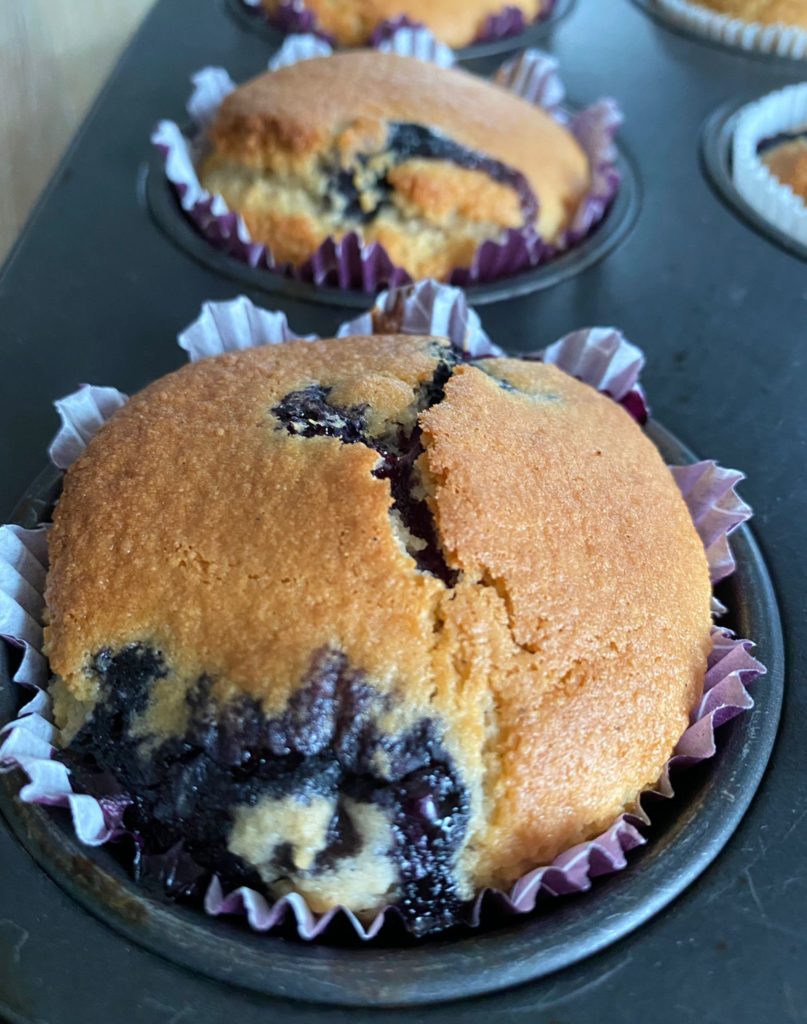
<point>293,16</point>
<point>781,40</point>
<point>778,112</point>
<point>600,357</point>
<point>350,263</point>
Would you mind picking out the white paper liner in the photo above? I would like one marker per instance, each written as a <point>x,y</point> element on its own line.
<point>599,356</point>
<point>349,262</point>
<point>782,40</point>
<point>781,111</point>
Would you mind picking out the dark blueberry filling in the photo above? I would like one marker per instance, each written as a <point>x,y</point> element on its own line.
<point>406,141</point>
<point>779,140</point>
<point>182,793</point>
<point>308,413</point>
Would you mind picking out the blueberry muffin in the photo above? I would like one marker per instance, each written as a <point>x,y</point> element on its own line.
<point>785,156</point>
<point>360,620</point>
<point>767,12</point>
<point>454,22</point>
<point>430,162</point>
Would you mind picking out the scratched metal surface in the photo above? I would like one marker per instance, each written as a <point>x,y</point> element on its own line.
<point>95,292</point>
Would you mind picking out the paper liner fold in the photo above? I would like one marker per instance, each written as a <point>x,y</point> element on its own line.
<point>599,356</point>
<point>778,112</point>
<point>293,16</point>
<point>351,263</point>
<point>779,39</point>
<point>605,359</point>
<point>427,308</point>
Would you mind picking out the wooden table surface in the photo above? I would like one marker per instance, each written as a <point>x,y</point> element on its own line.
<point>54,57</point>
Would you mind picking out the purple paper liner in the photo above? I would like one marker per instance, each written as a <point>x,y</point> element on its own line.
<point>352,264</point>
<point>602,358</point>
<point>293,16</point>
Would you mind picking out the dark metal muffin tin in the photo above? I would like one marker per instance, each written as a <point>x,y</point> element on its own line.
<point>94,292</point>
<point>534,35</point>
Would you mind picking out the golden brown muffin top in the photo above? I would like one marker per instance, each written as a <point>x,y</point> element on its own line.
<point>455,22</point>
<point>562,651</point>
<point>280,120</point>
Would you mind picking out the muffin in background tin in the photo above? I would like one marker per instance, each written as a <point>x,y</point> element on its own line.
<point>429,185</point>
<point>429,162</point>
<point>457,23</point>
<point>368,621</point>
<point>785,156</point>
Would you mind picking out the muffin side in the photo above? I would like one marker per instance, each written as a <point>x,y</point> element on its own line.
<point>353,23</point>
<point>431,165</point>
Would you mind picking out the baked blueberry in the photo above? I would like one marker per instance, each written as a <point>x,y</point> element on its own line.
<point>362,620</point>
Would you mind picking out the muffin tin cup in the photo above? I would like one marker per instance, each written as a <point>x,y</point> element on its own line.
<point>352,265</point>
<point>778,41</point>
<point>754,194</point>
<point>600,357</point>
<point>506,33</point>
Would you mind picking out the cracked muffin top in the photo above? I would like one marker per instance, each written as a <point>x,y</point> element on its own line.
<point>769,12</point>
<point>357,619</point>
<point>430,162</point>
<point>455,22</point>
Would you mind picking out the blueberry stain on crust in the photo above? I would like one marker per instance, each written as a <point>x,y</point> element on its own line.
<point>182,794</point>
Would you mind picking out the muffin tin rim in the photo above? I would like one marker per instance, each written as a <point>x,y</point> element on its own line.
<point>715,159</point>
<point>649,8</point>
<point>379,976</point>
<point>611,233</point>
<point>531,35</point>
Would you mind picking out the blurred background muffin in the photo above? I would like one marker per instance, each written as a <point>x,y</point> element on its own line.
<point>430,162</point>
<point>455,22</point>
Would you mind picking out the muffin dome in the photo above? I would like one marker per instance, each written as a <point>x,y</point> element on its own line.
<point>358,620</point>
<point>769,12</point>
<point>430,162</point>
<point>455,22</point>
